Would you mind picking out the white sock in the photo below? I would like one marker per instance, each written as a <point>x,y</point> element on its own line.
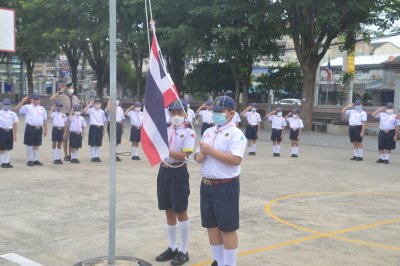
<point>293,149</point>
<point>133,151</point>
<point>60,153</point>
<point>387,156</point>
<point>355,152</point>
<point>361,153</point>
<point>296,150</point>
<point>230,257</point>
<point>274,149</point>
<point>29,153</point>
<point>54,153</point>
<point>97,152</point>
<point>76,154</point>
<point>278,148</point>
<point>93,151</point>
<point>2,158</point>
<point>254,147</point>
<point>382,156</point>
<point>184,230</point>
<point>218,254</point>
<point>6,158</point>
<point>172,236</point>
<point>36,155</point>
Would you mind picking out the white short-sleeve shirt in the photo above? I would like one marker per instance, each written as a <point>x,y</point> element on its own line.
<point>236,118</point>
<point>253,118</point>
<point>229,139</point>
<point>386,121</point>
<point>191,114</point>
<point>206,116</point>
<point>58,119</point>
<point>34,115</point>
<point>356,118</point>
<point>295,122</point>
<point>136,118</point>
<point>277,121</point>
<point>97,117</point>
<point>8,119</point>
<point>120,115</point>
<point>77,123</point>
<point>180,139</point>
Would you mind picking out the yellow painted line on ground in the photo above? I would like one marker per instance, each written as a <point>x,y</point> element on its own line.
<point>316,234</point>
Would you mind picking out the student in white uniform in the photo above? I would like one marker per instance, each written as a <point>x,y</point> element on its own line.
<point>8,133</point>
<point>136,117</point>
<point>120,116</point>
<point>191,115</point>
<point>58,119</point>
<point>205,112</point>
<point>278,127</point>
<point>357,119</point>
<point>220,153</point>
<point>296,126</point>
<point>236,119</point>
<point>77,125</point>
<point>253,126</point>
<point>388,132</point>
<point>97,120</point>
<point>173,185</point>
<point>36,126</point>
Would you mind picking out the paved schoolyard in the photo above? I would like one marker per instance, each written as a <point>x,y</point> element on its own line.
<point>318,209</point>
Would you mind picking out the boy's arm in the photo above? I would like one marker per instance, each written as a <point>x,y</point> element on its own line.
<point>199,109</point>
<point>288,115</point>
<point>224,157</point>
<point>15,131</point>
<point>270,113</point>
<point>350,105</point>
<point>380,109</point>
<point>22,102</point>
<point>243,113</point>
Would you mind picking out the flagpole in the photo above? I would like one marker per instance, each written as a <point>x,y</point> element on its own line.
<point>113,85</point>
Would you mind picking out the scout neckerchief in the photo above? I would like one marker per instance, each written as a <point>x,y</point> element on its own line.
<point>220,129</point>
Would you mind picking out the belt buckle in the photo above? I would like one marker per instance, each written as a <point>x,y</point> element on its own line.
<point>207,182</point>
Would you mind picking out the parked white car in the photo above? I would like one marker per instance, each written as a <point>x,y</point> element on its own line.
<point>290,101</point>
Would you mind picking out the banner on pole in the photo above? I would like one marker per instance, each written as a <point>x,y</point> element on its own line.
<point>7,30</point>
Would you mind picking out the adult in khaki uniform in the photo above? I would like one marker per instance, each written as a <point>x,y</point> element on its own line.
<point>68,100</point>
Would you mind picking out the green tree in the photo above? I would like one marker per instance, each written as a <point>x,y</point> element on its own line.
<point>283,80</point>
<point>313,24</point>
<point>210,77</point>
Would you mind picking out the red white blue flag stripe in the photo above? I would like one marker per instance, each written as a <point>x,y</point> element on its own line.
<point>160,93</point>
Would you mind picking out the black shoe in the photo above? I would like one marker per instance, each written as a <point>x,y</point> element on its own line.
<point>118,159</point>
<point>3,165</point>
<point>168,254</point>
<point>98,160</point>
<point>354,158</point>
<point>252,153</point>
<point>67,158</point>
<point>59,161</point>
<point>215,263</point>
<point>135,158</point>
<point>278,155</point>
<point>30,163</point>
<point>94,160</point>
<point>274,154</point>
<point>180,258</point>
<point>56,162</point>
<point>9,165</point>
<point>37,163</point>
<point>75,161</point>
<point>360,159</point>
<point>293,155</point>
<point>380,161</point>
<point>386,161</point>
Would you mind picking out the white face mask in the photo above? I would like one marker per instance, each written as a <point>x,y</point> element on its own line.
<point>77,113</point>
<point>117,102</point>
<point>177,120</point>
<point>253,109</point>
<point>279,114</point>
<point>97,105</point>
<point>389,111</point>
<point>137,109</point>
<point>358,108</point>
<point>295,116</point>
<point>70,91</point>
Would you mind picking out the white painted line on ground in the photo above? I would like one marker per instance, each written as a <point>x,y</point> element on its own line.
<point>19,260</point>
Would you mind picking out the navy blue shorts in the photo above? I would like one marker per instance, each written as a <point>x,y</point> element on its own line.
<point>204,127</point>
<point>33,135</point>
<point>119,131</point>
<point>354,134</point>
<point>75,140</point>
<point>385,140</point>
<point>276,135</point>
<point>95,138</point>
<point>173,189</point>
<point>251,132</point>
<point>135,134</point>
<point>6,140</point>
<point>294,134</point>
<point>219,206</point>
<point>57,134</point>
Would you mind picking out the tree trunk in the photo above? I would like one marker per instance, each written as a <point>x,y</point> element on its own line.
<point>93,53</point>
<point>309,71</point>
<point>137,58</point>
<point>176,68</point>
<point>237,86</point>
<point>246,85</point>
<point>29,72</point>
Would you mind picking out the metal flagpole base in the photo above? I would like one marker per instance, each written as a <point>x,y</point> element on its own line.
<point>119,261</point>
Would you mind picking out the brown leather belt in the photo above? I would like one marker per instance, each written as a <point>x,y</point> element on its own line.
<point>388,131</point>
<point>181,164</point>
<point>213,182</point>
<point>35,127</point>
<point>96,126</point>
<point>58,128</point>
<point>75,132</point>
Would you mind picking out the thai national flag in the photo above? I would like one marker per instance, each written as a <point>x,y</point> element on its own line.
<point>328,70</point>
<point>160,92</point>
